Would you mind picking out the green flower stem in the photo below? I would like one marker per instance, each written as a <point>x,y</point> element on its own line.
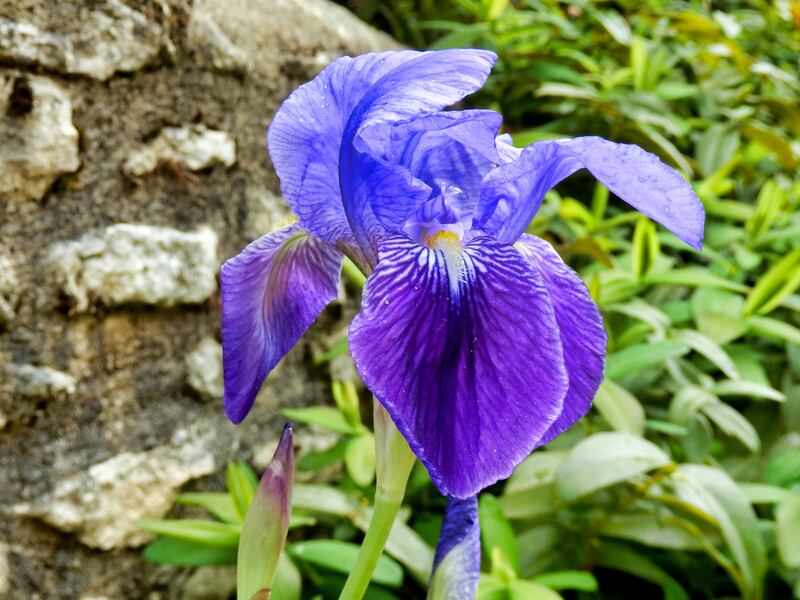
<point>394,461</point>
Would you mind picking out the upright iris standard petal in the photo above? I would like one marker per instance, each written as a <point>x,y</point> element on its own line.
<point>580,324</point>
<point>457,564</point>
<point>513,193</point>
<point>423,85</point>
<point>271,292</point>
<point>463,350</point>
<point>305,136</point>
<point>266,524</point>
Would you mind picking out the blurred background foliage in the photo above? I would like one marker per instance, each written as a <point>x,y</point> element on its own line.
<point>684,480</point>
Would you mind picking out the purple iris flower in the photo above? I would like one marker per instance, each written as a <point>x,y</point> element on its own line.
<point>476,337</point>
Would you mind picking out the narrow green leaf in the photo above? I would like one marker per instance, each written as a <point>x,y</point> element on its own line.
<point>326,417</point>
<point>567,580</point>
<point>605,459</point>
<point>787,530</point>
<point>714,492</point>
<point>218,504</point>
<point>496,531</point>
<point>622,558</point>
<point>519,589</point>
<point>642,356</point>
<point>619,408</point>
<point>208,533</point>
<point>241,487</point>
<point>774,328</point>
<point>340,557</point>
<point>734,424</point>
<point>650,530</point>
<point>695,277</point>
<point>763,493</point>
<point>702,344</point>
<point>359,458</point>
<point>170,551</point>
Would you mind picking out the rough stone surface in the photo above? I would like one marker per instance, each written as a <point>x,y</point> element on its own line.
<point>126,264</point>
<point>24,389</point>
<point>204,369</point>
<point>5,584</point>
<point>124,343</point>
<point>9,294</point>
<point>102,504</point>
<point>39,141</point>
<point>113,37</point>
<point>210,583</point>
<point>194,147</point>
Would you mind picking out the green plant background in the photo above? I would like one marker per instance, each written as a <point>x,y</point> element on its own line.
<point>684,480</point>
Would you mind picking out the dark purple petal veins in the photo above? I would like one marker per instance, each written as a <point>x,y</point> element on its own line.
<point>271,292</point>
<point>513,193</point>
<point>463,350</point>
<point>580,324</point>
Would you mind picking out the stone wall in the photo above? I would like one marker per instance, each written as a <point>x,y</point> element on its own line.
<point>132,164</point>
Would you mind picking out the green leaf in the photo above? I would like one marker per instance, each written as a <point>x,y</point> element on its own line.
<point>650,530</point>
<point>645,248</point>
<point>345,395</point>
<point>323,499</point>
<point>170,551</point>
<point>340,557</point>
<point>619,408</point>
<point>496,531</point>
<point>787,530</point>
<point>568,580</point>
<point>218,504</point>
<point>784,469</point>
<point>770,201</point>
<point>605,459</point>
<point>694,277</point>
<point>537,470</point>
<point>780,281</point>
<point>702,344</point>
<point>314,461</point>
<point>288,583</point>
<point>763,493</point>
<point>326,417</point>
<point>208,533</point>
<point>530,503</point>
<point>621,558</point>
<point>642,356</point>
<point>733,423</point>
<point>742,387</point>
<point>242,486</point>
<point>715,493</point>
<point>359,458</point>
<point>519,589</point>
<point>773,328</point>
<point>718,314</point>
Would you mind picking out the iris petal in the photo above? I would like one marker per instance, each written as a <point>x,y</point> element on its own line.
<point>426,84</point>
<point>580,324</point>
<point>466,357</point>
<point>513,193</point>
<point>457,564</point>
<point>305,135</point>
<point>271,292</point>
<point>456,148</point>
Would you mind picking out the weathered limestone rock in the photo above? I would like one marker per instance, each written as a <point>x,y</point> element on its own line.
<point>265,211</point>
<point>39,141</point>
<point>259,35</point>
<point>136,264</point>
<point>5,584</point>
<point>112,38</point>
<point>194,147</point>
<point>9,292</point>
<point>21,383</point>
<point>204,367</point>
<point>210,583</point>
<point>103,504</point>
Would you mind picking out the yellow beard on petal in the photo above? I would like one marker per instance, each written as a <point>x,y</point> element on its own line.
<point>449,244</point>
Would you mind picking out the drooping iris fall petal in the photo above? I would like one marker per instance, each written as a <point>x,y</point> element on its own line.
<point>513,192</point>
<point>463,350</point>
<point>271,292</point>
<point>580,325</point>
<point>457,564</point>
